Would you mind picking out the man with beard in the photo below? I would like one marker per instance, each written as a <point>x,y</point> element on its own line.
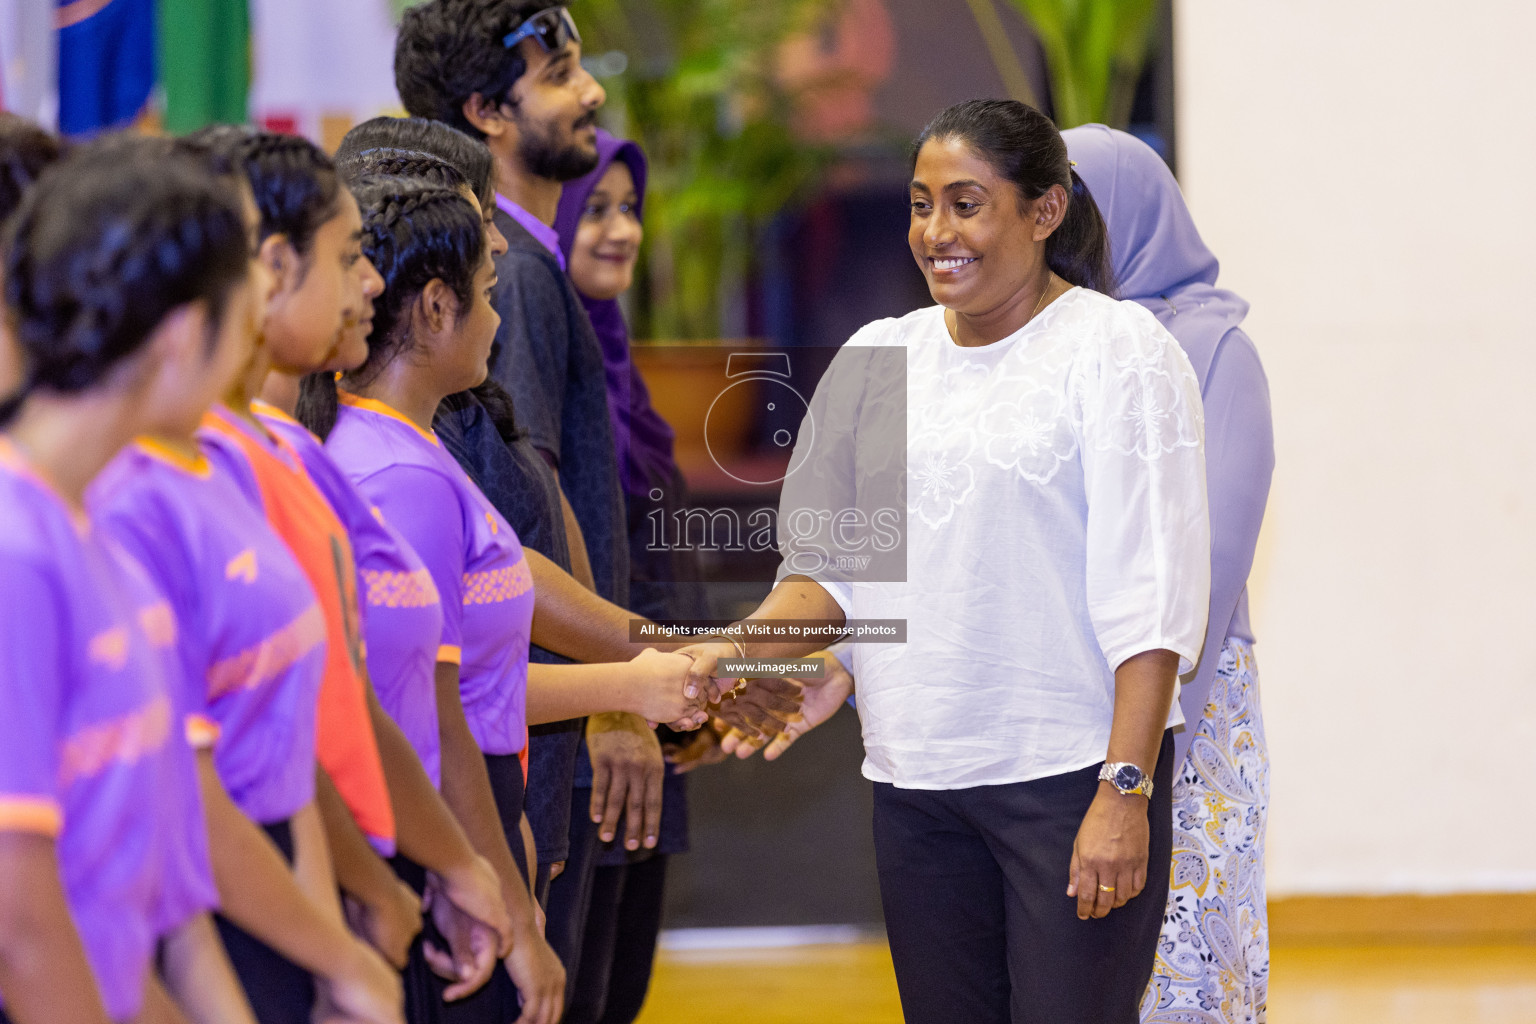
<point>509,72</point>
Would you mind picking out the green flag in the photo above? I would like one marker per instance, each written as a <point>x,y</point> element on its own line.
<point>205,62</point>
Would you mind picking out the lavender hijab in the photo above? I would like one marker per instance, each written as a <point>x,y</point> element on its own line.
<point>1162,263</point>
<point>642,437</point>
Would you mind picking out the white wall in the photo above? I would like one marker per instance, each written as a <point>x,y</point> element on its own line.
<point>1364,170</point>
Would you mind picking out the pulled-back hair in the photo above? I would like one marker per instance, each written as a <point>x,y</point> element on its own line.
<point>25,149</point>
<point>413,233</point>
<point>1024,146</point>
<point>448,50</point>
<point>294,183</point>
<point>104,246</point>
<point>419,134</point>
<point>401,163</point>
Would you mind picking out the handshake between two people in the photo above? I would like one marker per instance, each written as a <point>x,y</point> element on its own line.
<point>680,690</point>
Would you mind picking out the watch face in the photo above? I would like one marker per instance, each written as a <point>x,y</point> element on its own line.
<point>1128,777</point>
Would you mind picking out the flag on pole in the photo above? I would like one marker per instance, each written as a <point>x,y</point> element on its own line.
<point>205,62</point>
<point>320,68</point>
<point>106,63</point>
<point>29,61</point>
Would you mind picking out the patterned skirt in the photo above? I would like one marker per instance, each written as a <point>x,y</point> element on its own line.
<point>1213,955</point>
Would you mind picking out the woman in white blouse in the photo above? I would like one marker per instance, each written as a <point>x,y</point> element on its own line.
<point>1056,578</point>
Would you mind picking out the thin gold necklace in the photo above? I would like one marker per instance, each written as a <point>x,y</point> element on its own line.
<point>1039,303</point>
<point>1043,293</point>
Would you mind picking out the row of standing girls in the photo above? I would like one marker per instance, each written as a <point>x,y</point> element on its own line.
<point>342,630</point>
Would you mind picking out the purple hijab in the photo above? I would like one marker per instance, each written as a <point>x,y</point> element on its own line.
<point>1162,263</point>
<point>642,437</point>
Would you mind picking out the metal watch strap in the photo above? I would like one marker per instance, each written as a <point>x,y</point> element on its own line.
<point>1112,768</point>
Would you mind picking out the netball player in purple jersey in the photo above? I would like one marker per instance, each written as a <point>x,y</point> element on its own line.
<point>300,334</point>
<point>432,333</point>
<point>252,654</point>
<point>102,843</point>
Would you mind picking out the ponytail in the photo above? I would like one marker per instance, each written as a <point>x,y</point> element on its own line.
<point>1024,146</point>
<point>1078,250</point>
<point>318,403</point>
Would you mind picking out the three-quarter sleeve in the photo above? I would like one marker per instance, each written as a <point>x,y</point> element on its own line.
<point>1148,535</point>
<point>32,688</point>
<point>425,509</point>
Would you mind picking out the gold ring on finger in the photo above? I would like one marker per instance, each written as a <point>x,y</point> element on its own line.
<point>1106,888</point>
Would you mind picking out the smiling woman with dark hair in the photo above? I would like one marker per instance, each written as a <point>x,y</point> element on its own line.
<point>1057,568</point>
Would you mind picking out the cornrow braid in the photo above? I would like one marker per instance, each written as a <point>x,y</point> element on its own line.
<point>104,246</point>
<point>469,156</point>
<point>388,162</point>
<point>294,183</point>
<point>414,232</point>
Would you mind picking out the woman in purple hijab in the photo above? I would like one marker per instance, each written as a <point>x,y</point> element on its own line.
<point>1213,956</point>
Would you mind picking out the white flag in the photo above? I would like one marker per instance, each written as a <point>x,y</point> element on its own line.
<point>29,61</point>
<point>319,68</point>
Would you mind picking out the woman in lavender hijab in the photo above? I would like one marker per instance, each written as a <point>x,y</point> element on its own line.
<point>1213,957</point>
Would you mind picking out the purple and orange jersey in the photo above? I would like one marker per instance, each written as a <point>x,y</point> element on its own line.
<point>345,744</point>
<point>473,555</point>
<point>93,747</point>
<point>402,613</point>
<point>253,642</point>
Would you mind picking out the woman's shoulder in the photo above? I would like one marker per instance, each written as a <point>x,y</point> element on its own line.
<point>1121,332</point>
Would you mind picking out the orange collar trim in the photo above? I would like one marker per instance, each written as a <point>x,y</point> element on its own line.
<point>261,407</point>
<point>373,405</point>
<point>11,458</point>
<point>197,465</point>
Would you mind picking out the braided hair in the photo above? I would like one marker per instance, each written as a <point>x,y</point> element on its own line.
<point>413,233</point>
<point>387,162</point>
<point>103,248</point>
<point>294,183</point>
<point>421,135</point>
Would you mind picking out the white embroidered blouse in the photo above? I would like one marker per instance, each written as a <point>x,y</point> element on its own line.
<point>1056,525</point>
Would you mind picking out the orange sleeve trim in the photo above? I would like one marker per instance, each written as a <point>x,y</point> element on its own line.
<point>450,654</point>
<point>202,732</point>
<point>30,814</point>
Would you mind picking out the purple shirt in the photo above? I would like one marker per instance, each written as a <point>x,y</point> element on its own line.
<point>253,635</point>
<point>402,613</point>
<point>472,553</point>
<point>93,750</point>
<point>543,233</point>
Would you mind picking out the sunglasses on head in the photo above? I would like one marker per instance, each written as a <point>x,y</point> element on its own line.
<point>551,27</point>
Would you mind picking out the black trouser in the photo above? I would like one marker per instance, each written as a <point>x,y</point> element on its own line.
<point>280,991</point>
<point>974,883</point>
<point>495,1002</point>
<point>619,948</point>
<point>567,898</point>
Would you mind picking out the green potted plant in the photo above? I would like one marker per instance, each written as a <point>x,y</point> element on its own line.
<point>1094,53</point>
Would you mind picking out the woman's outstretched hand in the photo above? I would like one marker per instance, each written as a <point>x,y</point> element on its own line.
<point>822,698</point>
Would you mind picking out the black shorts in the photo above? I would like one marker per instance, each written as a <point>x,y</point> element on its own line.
<point>280,991</point>
<point>496,1002</point>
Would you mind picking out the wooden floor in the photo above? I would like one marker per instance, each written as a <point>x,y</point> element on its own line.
<point>853,984</point>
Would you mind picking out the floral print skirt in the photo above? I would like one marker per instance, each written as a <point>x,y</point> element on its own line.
<point>1213,955</point>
